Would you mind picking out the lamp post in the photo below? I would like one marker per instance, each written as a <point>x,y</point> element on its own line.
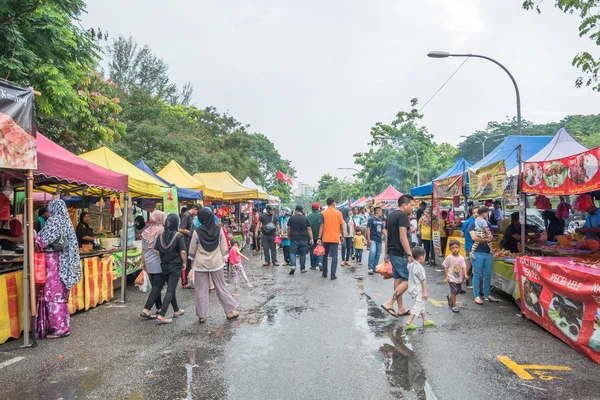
<point>357,171</point>
<point>482,141</point>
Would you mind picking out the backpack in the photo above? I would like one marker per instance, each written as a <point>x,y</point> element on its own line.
<point>269,229</point>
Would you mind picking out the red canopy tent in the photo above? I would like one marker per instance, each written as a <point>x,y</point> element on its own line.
<point>389,194</point>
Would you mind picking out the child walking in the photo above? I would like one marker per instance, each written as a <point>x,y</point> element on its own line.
<point>417,289</point>
<point>359,245</point>
<point>456,272</point>
<point>235,258</point>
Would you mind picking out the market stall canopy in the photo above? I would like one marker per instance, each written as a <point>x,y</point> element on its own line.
<point>233,190</point>
<point>182,193</point>
<point>507,150</point>
<point>58,164</point>
<point>358,202</point>
<point>562,145</point>
<point>389,194</point>
<point>250,183</point>
<point>173,172</point>
<point>140,183</point>
<point>427,189</point>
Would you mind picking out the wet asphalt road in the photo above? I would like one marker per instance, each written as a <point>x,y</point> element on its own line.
<point>299,337</point>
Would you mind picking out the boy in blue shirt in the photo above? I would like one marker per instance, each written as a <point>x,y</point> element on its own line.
<point>375,234</point>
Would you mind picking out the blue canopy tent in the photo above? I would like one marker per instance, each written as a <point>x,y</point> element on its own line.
<point>427,189</point>
<point>182,194</point>
<point>507,150</point>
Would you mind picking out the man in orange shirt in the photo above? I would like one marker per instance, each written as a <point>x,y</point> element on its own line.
<point>331,233</point>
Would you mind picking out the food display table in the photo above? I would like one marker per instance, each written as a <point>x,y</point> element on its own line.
<point>563,296</point>
<point>94,288</point>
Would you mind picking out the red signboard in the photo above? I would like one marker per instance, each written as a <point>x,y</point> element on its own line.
<point>570,175</point>
<point>563,296</point>
<point>448,188</point>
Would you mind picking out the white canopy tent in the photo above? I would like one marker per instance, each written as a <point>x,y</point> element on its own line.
<point>562,145</point>
<point>250,183</point>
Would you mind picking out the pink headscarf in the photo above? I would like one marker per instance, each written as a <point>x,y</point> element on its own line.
<point>157,226</point>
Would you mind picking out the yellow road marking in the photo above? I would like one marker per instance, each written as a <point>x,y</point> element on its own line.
<point>435,302</point>
<point>521,370</point>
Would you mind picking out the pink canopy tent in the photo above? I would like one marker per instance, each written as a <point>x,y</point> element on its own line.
<point>359,202</point>
<point>389,194</point>
<point>58,164</point>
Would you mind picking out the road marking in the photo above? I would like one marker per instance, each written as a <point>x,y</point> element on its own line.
<point>435,302</point>
<point>540,370</point>
<point>11,361</point>
<point>533,387</point>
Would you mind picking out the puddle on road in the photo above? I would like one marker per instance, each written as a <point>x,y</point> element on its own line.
<point>387,342</point>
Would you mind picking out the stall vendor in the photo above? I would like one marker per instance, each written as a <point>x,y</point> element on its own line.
<point>591,228</point>
<point>85,234</point>
<point>512,234</point>
<point>554,226</point>
<point>11,234</point>
<point>43,215</point>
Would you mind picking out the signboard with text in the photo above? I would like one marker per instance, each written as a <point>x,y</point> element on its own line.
<point>170,201</point>
<point>488,182</point>
<point>17,127</point>
<point>448,188</point>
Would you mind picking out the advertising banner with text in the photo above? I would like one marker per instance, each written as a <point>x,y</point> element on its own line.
<point>569,175</point>
<point>170,201</point>
<point>563,296</point>
<point>448,188</point>
<point>488,181</point>
<point>17,127</point>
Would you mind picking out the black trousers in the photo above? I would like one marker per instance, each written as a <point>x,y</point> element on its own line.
<point>154,296</point>
<point>172,280</point>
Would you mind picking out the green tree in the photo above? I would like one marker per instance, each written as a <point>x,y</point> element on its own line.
<point>263,151</point>
<point>340,190</point>
<point>589,14</point>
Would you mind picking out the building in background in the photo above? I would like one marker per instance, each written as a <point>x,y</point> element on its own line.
<point>304,190</point>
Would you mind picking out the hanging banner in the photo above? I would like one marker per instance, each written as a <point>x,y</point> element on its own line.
<point>448,188</point>
<point>435,226</point>
<point>488,182</point>
<point>565,176</point>
<point>563,297</point>
<point>170,202</point>
<point>509,194</point>
<point>17,127</point>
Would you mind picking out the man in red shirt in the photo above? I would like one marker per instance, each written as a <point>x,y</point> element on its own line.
<point>331,233</point>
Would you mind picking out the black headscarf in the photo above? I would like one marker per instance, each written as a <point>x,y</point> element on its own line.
<point>140,223</point>
<point>167,239</point>
<point>209,232</point>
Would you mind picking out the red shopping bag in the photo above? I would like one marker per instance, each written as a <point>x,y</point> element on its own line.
<point>39,268</point>
<point>319,250</point>
<point>385,270</point>
<point>278,240</point>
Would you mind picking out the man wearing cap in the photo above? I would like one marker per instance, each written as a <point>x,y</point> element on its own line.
<point>315,223</point>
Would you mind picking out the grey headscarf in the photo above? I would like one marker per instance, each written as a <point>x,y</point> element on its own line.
<point>60,223</point>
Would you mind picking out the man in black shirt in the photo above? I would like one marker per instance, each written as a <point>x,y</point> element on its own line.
<point>269,227</point>
<point>300,237</point>
<point>186,227</point>
<point>399,253</point>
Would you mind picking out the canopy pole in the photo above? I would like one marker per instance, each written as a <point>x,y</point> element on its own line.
<point>124,247</point>
<point>522,200</point>
<point>29,303</point>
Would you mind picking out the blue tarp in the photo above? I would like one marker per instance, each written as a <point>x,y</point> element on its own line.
<point>182,194</point>
<point>456,169</point>
<point>507,150</point>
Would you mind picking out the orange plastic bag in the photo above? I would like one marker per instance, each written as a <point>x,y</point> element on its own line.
<point>140,279</point>
<point>319,250</point>
<point>39,268</point>
<point>385,270</point>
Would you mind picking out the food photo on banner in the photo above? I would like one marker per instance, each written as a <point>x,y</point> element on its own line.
<point>488,182</point>
<point>563,296</point>
<point>17,127</point>
<point>565,176</point>
<point>448,188</point>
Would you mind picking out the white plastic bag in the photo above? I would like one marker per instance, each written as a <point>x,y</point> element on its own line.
<point>146,286</point>
<point>190,280</point>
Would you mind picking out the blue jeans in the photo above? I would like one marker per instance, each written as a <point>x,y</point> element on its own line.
<point>330,248</point>
<point>315,260</point>
<point>300,248</point>
<point>347,248</point>
<point>482,265</point>
<point>374,254</point>
<point>358,254</point>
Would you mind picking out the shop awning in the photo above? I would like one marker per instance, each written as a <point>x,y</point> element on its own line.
<point>57,163</point>
<point>507,150</point>
<point>233,190</point>
<point>173,172</point>
<point>427,189</point>
<point>389,194</point>
<point>140,183</point>
<point>182,193</point>
<point>250,183</point>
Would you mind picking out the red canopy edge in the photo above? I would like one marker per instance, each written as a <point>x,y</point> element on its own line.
<point>56,162</point>
<point>388,194</point>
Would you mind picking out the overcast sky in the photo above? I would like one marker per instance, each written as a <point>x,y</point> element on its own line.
<point>314,76</point>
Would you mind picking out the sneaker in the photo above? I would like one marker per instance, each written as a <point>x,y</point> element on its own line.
<point>370,272</point>
<point>286,264</point>
<point>333,278</point>
<point>276,264</point>
<point>303,271</point>
<point>313,268</point>
<point>292,271</point>
<point>410,327</point>
<point>428,323</point>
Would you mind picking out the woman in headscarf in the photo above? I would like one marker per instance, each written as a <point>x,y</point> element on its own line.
<point>349,232</point>
<point>62,272</point>
<point>170,246</point>
<point>151,261</point>
<point>139,224</point>
<point>85,234</point>
<point>207,248</point>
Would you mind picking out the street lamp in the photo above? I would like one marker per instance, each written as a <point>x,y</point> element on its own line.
<point>482,141</point>
<point>404,141</point>
<point>363,178</point>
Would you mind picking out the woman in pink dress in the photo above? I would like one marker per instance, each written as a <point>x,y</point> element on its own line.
<point>62,272</point>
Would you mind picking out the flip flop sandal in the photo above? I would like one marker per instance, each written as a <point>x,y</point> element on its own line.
<point>148,316</point>
<point>178,314</point>
<point>57,336</point>
<point>404,313</point>
<point>235,316</point>
<point>491,299</point>
<point>455,310</point>
<point>202,320</point>
<point>390,311</point>
<point>163,321</point>
<point>478,301</point>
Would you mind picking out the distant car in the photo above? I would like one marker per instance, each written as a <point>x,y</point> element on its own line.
<point>534,217</point>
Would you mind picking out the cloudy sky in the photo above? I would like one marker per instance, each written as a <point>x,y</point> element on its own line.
<point>314,76</point>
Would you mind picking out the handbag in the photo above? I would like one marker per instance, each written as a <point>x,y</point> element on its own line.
<point>58,245</point>
<point>39,268</point>
<point>277,240</point>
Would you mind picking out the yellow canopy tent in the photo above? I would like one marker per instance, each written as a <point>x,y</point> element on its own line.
<point>173,172</point>
<point>233,190</point>
<point>140,183</point>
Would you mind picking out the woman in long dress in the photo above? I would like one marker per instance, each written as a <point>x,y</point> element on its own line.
<point>63,271</point>
<point>208,247</point>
